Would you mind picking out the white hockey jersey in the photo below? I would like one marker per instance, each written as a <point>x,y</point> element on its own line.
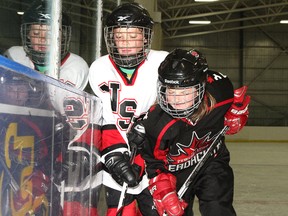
<point>124,99</point>
<point>73,70</point>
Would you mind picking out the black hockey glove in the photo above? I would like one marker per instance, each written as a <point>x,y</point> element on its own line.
<point>136,137</point>
<point>120,168</point>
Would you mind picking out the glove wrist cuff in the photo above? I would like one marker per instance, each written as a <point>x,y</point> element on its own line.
<point>164,194</point>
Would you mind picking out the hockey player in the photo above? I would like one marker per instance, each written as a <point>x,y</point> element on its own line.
<point>35,35</point>
<point>194,104</point>
<point>125,80</point>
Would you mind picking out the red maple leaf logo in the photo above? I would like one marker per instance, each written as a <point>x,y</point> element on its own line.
<point>183,152</point>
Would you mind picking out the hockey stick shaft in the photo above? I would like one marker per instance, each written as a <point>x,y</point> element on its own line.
<point>139,131</point>
<point>121,199</point>
<point>203,160</point>
<point>125,186</point>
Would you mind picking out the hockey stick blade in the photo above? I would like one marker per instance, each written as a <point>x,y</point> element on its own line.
<point>203,160</point>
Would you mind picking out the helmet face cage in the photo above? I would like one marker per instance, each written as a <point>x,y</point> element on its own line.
<point>36,32</point>
<point>128,34</point>
<point>128,60</point>
<point>181,82</point>
<point>171,97</point>
<point>39,35</point>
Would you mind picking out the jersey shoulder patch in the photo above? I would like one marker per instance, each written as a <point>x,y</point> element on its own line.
<point>219,86</point>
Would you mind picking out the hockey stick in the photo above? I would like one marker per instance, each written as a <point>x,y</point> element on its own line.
<point>203,160</point>
<point>133,150</point>
<point>125,185</point>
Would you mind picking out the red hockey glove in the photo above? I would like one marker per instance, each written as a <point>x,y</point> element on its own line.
<point>237,116</point>
<point>163,190</point>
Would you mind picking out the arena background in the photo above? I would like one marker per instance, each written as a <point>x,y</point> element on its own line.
<point>244,40</point>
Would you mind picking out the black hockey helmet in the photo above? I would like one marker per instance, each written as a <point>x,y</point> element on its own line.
<point>39,13</point>
<point>129,15</point>
<point>182,70</point>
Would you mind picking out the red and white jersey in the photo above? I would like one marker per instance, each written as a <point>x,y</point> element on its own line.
<point>123,99</point>
<point>73,70</point>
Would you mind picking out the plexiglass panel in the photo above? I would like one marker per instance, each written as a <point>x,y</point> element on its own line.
<point>49,141</point>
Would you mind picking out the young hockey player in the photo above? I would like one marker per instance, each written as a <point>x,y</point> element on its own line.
<point>125,80</point>
<point>194,105</point>
<point>35,34</point>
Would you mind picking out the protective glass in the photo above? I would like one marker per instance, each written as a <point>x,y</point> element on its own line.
<point>20,91</point>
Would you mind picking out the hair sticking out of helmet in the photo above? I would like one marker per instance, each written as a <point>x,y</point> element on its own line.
<point>128,34</point>
<point>36,32</point>
<point>181,82</point>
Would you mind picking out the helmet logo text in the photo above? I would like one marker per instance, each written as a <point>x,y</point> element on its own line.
<point>122,18</point>
<point>46,16</point>
<point>172,81</point>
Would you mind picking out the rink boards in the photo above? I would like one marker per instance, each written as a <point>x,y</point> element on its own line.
<point>49,145</point>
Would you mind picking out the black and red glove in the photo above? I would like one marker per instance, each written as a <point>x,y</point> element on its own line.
<point>163,190</point>
<point>237,116</point>
<point>136,137</point>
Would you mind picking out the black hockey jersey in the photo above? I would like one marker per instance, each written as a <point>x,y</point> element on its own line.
<point>177,145</point>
